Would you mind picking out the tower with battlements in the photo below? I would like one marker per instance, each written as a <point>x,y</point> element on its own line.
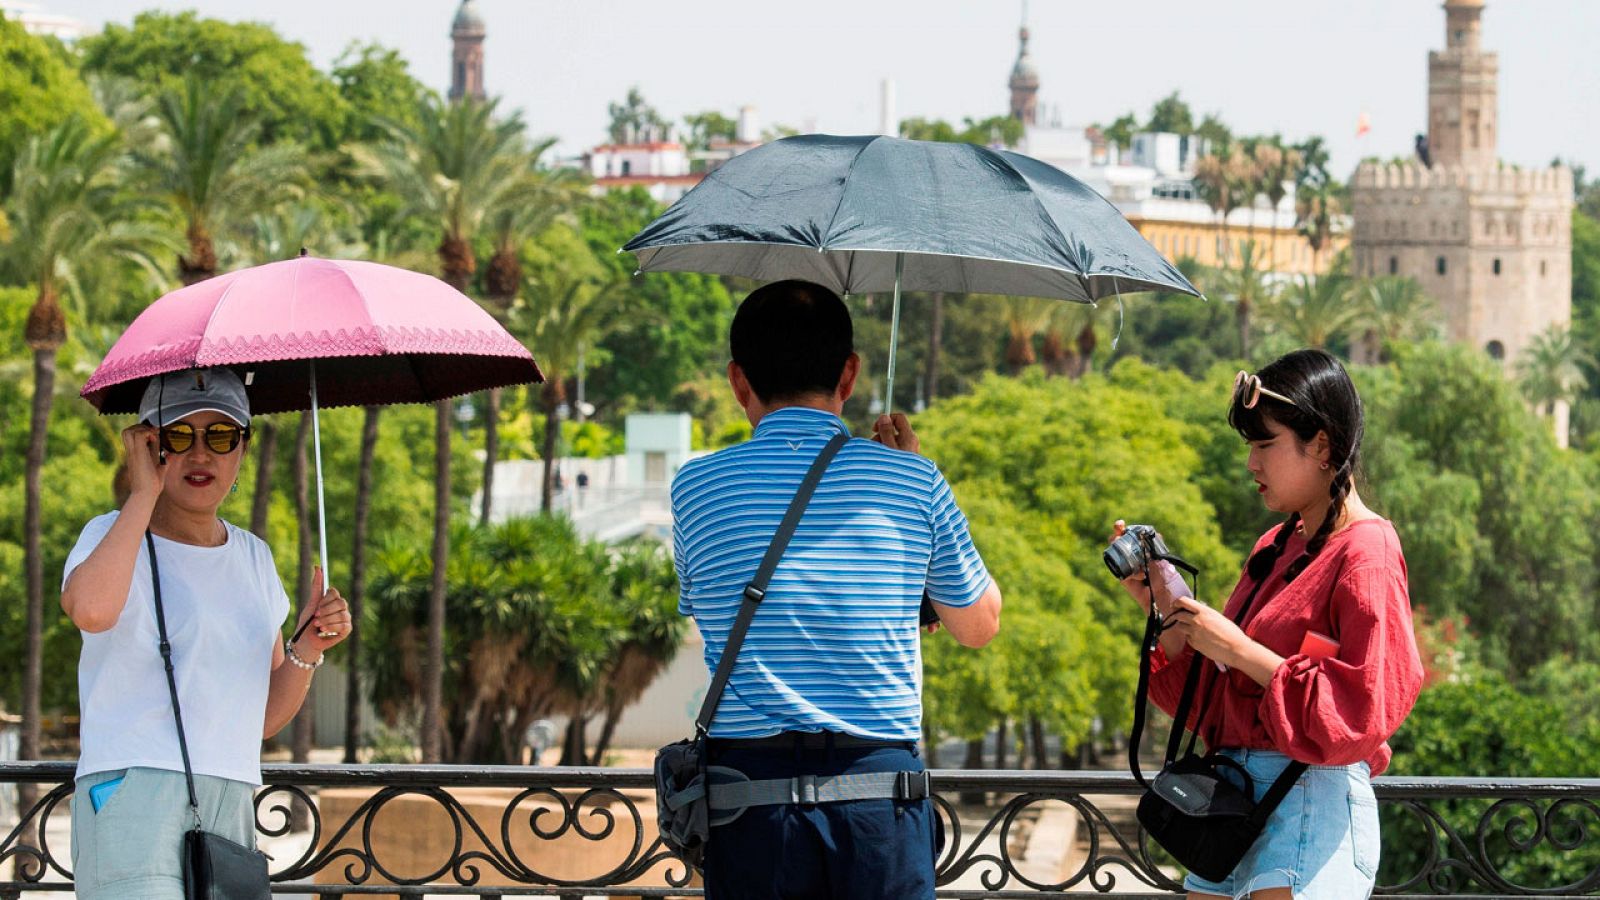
<point>1491,243</point>
<point>466,57</point>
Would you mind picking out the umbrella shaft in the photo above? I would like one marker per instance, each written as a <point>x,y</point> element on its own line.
<point>322,512</point>
<point>894,334</point>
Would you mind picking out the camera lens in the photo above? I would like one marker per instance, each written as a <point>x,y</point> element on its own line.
<point>1125,556</point>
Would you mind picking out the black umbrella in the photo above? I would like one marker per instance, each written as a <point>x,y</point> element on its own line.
<point>869,214</point>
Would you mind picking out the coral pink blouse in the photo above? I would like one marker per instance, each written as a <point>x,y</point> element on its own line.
<point>1336,709</point>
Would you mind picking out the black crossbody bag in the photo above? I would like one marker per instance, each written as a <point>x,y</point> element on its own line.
<point>1205,821</point>
<point>683,807</point>
<point>214,868</point>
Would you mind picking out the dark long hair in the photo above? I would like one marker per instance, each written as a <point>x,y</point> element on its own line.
<point>1325,400</point>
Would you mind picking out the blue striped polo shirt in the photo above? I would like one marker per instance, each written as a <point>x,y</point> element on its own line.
<point>835,645</point>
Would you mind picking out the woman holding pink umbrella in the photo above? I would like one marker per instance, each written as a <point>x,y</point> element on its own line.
<point>165,570</point>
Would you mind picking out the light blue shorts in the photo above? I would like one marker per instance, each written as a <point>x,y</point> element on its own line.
<point>131,848</point>
<point>1321,841</point>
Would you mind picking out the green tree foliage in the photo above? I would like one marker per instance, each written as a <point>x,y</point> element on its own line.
<point>1171,114</point>
<point>683,336</point>
<point>1494,519</point>
<point>1043,467</point>
<point>1481,726</point>
<point>39,91</point>
<point>1003,130</point>
<point>708,126</point>
<point>541,622</point>
<point>376,83</point>
<point>634,118</point>
<point>291,98</point>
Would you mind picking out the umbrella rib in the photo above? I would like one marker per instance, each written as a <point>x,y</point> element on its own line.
<point>1033,197</point>
<point>844,185</point>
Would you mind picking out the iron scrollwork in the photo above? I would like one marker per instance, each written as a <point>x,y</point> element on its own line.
<point>1458,836</point>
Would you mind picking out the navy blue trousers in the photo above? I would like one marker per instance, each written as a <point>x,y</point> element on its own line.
<point>855,850</point>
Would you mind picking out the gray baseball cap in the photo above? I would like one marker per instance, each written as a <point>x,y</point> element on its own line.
<point>173,396</point>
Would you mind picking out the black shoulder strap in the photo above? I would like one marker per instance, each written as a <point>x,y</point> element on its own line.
<point>756,590</point>
<point>172,679</point>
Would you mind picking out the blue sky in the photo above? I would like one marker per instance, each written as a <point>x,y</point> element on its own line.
<point>1289,66</point>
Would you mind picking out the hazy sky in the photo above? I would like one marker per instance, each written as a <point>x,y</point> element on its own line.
<point>1289,66</point>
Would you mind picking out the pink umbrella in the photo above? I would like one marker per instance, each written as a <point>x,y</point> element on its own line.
<point>371,334</point>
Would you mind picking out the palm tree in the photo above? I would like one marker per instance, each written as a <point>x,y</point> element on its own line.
<point>1551,370</point>
<point>536,201</point>
<point>66,213</point>
<point>205,160</point>
<point>1394,309</point>
<point>1317,206</point>
<point>568,302</point>
<point>1069,340</point>
<point>1212,185</point>
<point>1279,166</point>
<point>1314,310</point>
<point>452,166</point>
<point>1025,318</point>
<point>1249,286</point>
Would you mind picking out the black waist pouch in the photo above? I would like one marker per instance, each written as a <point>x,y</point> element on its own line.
<point>683,811</point>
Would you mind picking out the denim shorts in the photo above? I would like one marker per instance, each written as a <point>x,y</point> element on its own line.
<point>131,848</point>
<point>1321,842</point>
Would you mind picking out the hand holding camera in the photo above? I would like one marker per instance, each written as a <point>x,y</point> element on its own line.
<point>1138,549</point>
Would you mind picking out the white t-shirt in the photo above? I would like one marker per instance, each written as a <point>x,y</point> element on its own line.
<point>225,607</point>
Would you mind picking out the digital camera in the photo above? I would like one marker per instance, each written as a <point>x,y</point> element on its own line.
<point>1130,554</point>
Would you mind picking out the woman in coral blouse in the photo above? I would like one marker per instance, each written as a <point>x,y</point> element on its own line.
<point>1324,667</point>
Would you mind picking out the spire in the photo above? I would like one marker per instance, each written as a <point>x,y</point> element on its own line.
<point>467,32</point>
<point>1024,77</point>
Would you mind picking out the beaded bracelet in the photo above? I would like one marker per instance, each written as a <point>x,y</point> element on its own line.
<point>299,662</point>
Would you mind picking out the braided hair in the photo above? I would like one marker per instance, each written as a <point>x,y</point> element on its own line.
<point>1325,401</point>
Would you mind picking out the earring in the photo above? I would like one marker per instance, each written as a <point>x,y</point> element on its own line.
<point>1324,468</point>
<point>235,488</point>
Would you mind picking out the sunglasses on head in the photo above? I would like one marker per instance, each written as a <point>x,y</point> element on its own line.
<point>220,437</point>
<point>1248,390</point>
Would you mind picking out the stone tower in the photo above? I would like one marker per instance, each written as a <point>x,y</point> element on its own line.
<point>1024,80</point>
<point>1462,91</point>
<point>1490,243</point>
<point>466,59</point>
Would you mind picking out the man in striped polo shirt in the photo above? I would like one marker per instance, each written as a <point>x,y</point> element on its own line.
<point>829,680</point>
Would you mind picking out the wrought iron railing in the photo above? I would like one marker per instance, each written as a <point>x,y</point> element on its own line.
<point>589,832</point>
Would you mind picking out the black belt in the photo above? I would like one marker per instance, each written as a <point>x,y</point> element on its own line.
<point>809,740</point>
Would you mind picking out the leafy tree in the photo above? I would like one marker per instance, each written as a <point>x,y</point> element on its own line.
<point>1003,130</point>
<point>1217,135</point>
<point>66,211</point>
<point>650,358</point>
<point>1121,130</point>
<point>1076,455</point>
<point>541,622</point>
<point>290,97</point>
<point>1492,515</point>
<point>376,84</point>
<point>705,127</point>
<point>634,118</point>
<point>1171,114</point>
<point>39,92</point>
